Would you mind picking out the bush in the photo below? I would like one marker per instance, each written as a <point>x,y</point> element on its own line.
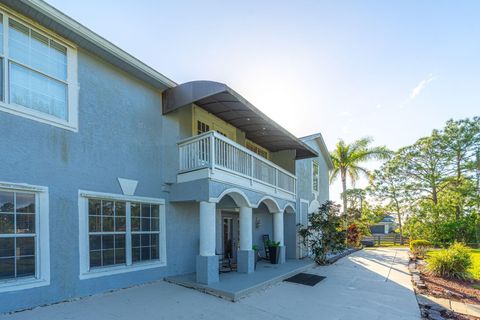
<point>453,262</point>
<point>353,235</point>
<point>419,248</point>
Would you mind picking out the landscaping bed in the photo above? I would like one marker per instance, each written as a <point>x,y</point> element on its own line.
<point>457,290</point>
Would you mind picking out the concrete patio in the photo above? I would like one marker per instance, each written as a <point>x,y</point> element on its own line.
<point>234,286</point>
<point>368,284</point>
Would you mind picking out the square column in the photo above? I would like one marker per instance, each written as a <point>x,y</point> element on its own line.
<point>207,261</point>
<point>278,230</point>
<point>246,255</point>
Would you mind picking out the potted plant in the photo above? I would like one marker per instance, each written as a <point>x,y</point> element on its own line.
<point>274,251</point>
<point>256,253</point>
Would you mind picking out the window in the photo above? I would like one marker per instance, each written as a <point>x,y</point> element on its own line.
<point>202,127</point>
<point>124,233</point>
<point>23,231</point>
<point>252,146</point>
<point>36,74</point>
<point>315,176</point>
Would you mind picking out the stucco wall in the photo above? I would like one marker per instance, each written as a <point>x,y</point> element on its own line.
<point>121,134</point>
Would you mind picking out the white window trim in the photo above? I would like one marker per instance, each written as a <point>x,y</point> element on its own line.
<point>85,272</point>
<point>42,250</point>
<point>72,77</point>
<point>318,177</point>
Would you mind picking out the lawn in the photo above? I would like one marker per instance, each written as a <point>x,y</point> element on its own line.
<point>475,269</point>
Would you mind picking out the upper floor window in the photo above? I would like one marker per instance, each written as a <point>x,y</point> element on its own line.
<point>37,74</point>
<point>261,151</point>
<point>315,176</point>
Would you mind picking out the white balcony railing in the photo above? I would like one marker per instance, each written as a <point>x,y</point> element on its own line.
<point>213,150</point>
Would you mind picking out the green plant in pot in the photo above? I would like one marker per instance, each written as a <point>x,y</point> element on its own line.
<point>274,251</point>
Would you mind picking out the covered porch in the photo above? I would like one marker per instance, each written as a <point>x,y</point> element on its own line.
<point>234,286</point>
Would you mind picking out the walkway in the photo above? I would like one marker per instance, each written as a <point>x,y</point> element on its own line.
<point>369,284</point>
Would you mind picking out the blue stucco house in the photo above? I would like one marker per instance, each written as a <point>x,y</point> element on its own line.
<point>113,175</point>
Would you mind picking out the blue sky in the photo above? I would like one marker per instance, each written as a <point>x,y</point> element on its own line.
<point>392,70</point>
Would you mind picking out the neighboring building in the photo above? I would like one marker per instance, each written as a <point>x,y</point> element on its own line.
<point>113,175</point>
<point>387,225</point>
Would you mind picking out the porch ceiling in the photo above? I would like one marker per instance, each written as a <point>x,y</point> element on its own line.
<point>225,103</point>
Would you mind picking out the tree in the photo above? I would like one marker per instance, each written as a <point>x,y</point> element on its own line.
<point>323,233</point>
<point>389,186</point>
<point>348,159</point>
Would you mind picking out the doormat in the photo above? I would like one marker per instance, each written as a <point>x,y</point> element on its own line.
<point>307,279</point>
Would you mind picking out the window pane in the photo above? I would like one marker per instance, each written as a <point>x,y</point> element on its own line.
<point>1,33</point>
<point>108,257</point>
<point>120,209</point>
<point>37,51</point>
<point>25,223</point>
<point>95,258</point>
<point>25,246</point>
<point>6,223</point>
<point>135,254</point>
<point>135,210</point>
<point>155,225</point>
<point>107,224</point>
<point>145,240</point>
<point>95,242</point>
<point>120,224</point>
<point>35,91</point>
<point>25,202</point>
<point>145,253</point>
<point>135,224</point>
<point>6,247</point>
<point>145,224</point>
<point>7,268</point>
<point>25,266</point>
<point>155,211</point>
<point>154,253</point>
<point>119,241</point>
<point>145,210</point>
<point>94,207</point>
<point>107,242</point>
<point>95,223</point>
<point>135,240</point>
<point>107,207</point>
<point>120,256</point>
<point>6,201</point>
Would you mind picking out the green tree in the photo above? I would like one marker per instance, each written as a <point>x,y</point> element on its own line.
<point>348,160</point>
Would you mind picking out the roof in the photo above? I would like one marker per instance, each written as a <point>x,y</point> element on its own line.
<point>223,102</point>
<point>323,147</point>
<point>63,25</point>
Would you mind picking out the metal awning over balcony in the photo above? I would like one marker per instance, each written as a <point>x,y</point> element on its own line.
<point>225,103</point>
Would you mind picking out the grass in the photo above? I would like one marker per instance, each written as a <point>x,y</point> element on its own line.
<point>475,269</point>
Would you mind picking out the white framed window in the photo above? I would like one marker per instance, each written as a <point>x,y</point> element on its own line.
<point>38,73</point>
<point>315,176</point>
<point>120,233</point>
<point>24,237</point>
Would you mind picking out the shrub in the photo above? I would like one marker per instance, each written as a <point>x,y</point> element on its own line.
<point>353,235</point>
<point>453,262</point>
<point>419,248</point>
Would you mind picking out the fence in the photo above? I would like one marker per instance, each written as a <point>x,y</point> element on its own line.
<point>384,240</point>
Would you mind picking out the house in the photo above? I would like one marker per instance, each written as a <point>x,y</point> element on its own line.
<point>113,175</point>
<point>385,226</point>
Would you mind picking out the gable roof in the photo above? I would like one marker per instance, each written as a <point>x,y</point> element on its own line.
<point>323,147</point>
<point>63,25</point>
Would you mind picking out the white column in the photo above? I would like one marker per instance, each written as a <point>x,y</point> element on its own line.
<point>245,228</point>
<point>207,228</point>
<point>278,227</point>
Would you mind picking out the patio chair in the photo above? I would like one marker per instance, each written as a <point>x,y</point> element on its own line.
<point>266,239</point>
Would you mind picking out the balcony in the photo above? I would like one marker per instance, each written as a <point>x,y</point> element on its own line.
<point>211,155</point>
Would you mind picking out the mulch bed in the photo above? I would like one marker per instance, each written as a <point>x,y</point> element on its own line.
<point>457,290</point>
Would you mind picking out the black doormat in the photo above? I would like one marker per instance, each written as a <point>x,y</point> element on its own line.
<point>307,279</point>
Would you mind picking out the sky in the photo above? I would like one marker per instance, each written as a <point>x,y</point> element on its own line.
<point>390,70</point>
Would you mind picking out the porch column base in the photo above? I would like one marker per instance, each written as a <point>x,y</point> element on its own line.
<point>282,255</point>
<point>207,269</point>
<point>245,261</point>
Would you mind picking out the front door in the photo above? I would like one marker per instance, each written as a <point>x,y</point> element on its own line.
<point>230,235</point>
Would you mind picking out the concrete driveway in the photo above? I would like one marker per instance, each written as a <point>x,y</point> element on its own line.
<point>369,284</point>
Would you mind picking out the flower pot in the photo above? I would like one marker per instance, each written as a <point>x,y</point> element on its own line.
<point>274,254</point>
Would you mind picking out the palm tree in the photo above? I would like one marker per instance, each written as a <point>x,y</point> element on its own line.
<point>347,160</point>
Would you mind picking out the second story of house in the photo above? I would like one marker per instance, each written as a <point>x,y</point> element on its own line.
<point>73,104</point>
